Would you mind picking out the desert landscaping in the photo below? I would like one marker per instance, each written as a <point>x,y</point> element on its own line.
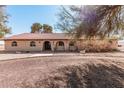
<point>63,47</point>
<point>64,70</point>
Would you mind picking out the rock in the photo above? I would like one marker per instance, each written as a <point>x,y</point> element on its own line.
<point>18,52</point>
<point>83,51</point>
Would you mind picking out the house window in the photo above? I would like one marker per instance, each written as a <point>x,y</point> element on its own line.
<point>14,43</point>
<point>32,44</point>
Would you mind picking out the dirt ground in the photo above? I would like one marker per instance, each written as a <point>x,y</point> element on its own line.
<point>13,73</point>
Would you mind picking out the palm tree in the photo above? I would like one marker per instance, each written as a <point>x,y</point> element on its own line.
<point>47,28</point>
<point>36,27</point>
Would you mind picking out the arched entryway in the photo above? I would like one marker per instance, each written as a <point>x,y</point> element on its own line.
<point>47,45</point>
<point>60,46</point>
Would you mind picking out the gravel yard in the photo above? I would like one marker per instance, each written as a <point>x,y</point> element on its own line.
<point>14,71</point>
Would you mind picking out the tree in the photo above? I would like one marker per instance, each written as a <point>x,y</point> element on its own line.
<point>110,19</point>
<point>47,28</point>
<point>36,27</point>
<point>91,21</point>
<point>3,20</point>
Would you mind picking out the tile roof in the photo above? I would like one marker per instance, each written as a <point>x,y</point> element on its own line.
<point>29,36</point>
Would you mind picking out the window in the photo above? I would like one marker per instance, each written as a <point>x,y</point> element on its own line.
<point>14,43</point>
<point>32,44</point>
<point>61,43</point>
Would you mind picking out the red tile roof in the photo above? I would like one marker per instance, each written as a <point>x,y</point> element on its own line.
<point>29,36</point>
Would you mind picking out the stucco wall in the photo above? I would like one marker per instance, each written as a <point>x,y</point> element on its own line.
<point>80,44</point>
<point>23,46</point>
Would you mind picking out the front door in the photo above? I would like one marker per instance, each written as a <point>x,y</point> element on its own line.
<point>47,45</point>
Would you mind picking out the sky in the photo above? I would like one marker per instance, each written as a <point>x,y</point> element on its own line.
<point>23,16</point>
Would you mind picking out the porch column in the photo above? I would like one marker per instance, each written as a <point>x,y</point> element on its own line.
<point>41,44</point>
<point>52,45</point>
<point>66,43</point>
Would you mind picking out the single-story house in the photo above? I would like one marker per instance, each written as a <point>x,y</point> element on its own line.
<point>44,42</point>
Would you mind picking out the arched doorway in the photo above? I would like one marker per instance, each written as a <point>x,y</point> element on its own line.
<point>47,45</point>
<point>60,46</point>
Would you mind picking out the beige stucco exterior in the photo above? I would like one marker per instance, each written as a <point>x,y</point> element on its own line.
<point>24,45</point>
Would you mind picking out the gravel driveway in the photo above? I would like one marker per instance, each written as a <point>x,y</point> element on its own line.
<point>16,56</point>
<point>29,55</point>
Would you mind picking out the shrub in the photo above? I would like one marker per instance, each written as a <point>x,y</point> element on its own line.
<point>100,46</point>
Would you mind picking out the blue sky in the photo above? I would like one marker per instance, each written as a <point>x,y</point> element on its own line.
<point>23,16</point>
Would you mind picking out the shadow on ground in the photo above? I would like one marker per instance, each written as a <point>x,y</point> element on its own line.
<point>89,75</point>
